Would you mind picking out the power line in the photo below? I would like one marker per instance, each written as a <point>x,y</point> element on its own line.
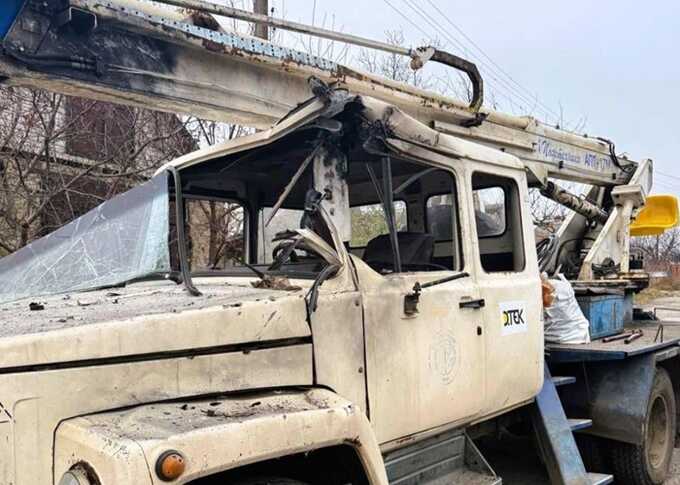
<point>407,19</point>
<point>666,186</point>
<point>531,102</point>
<point>667,182</point>
<point>429,36</point>
<point>513,91</point>
<point>502,84</point>
<point>674,177</point>
<point>471,41</point>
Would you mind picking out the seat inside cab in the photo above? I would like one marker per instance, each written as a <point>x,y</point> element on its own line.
<point>425,215</point>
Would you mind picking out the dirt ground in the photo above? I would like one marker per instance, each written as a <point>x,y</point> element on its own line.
<point>515,459</point>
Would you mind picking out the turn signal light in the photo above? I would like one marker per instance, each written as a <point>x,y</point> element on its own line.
<point>170,466</point>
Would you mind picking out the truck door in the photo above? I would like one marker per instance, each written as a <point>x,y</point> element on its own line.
<point>509,284</point>
<point>423,370</point>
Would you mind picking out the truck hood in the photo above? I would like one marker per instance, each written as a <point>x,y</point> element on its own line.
<point>150,320</point>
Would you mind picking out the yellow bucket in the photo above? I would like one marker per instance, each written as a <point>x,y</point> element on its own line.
<point>659,214</point>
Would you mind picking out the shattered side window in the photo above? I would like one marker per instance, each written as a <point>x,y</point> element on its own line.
<point>120,240</point>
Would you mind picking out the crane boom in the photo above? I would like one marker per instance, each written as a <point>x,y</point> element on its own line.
<point>136,53</point>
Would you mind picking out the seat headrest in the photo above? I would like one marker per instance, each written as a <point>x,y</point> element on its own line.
<point>414,248</point>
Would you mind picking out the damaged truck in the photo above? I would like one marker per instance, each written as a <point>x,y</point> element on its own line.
<point>324,349</point>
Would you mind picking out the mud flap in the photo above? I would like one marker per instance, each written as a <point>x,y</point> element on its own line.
<point>617,395</point>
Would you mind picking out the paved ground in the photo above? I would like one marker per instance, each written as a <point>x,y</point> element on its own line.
<point>676,469</point>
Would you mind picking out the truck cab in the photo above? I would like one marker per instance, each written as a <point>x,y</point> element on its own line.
<point>468,343</point>
<point>343,297</point>
<point>350,250</point>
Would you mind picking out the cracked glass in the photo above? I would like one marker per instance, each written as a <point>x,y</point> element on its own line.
<point>123,239</point>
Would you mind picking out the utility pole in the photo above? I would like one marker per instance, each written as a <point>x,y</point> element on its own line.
<point>261,7</point>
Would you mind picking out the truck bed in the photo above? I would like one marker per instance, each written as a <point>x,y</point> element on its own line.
<point>652,340</point>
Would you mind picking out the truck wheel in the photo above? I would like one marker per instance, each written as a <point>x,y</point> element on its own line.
<point>648,464</point>
<point>592,451</point>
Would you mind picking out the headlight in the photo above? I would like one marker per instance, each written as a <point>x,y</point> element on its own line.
<point>75,476</point>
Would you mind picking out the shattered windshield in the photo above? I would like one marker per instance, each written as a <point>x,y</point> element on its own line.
<point>122,239</point>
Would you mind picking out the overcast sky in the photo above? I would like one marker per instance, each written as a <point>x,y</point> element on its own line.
<point>613,63</point>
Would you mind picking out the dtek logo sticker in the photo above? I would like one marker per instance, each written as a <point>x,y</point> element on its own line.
<point>513,317</point>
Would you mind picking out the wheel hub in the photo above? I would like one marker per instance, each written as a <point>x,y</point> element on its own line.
<point>657,432</point>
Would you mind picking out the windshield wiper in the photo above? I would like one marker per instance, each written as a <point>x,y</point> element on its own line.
<point>260,274</point>
<point>312,296</point>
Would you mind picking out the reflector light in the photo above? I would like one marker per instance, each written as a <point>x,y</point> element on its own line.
<point>170,466</point>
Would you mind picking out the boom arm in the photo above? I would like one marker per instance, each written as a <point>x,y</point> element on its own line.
<point>136,53</point>
<point>132,52</point>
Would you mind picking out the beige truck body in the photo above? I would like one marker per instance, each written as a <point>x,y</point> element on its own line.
<point>121,380</point>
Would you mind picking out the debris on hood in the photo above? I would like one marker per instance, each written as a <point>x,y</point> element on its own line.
<point>281,283</point>
<point>87,302</point>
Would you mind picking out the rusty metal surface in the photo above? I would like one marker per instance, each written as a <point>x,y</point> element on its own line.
<point>598,350</point>
<point>419,55</point>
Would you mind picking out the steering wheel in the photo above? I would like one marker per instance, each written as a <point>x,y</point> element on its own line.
<point>284,252</point>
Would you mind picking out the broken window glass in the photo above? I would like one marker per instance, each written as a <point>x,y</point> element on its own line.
<point>123,239</point>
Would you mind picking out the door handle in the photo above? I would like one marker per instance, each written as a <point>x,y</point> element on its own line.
<point>472,303</point>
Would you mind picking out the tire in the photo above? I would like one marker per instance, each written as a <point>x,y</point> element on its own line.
<point>648,464</point>
<point>592,449</point>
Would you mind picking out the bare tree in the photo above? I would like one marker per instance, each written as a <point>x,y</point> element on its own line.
<point>215,233</point>
<point>62,156</point>
<point>547,215</point>
<point>393,66</point>
<point>661,249</point>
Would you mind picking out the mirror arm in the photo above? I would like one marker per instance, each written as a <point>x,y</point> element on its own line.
<point>412,299</point>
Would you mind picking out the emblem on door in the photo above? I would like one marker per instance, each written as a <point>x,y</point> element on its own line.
<point>444,356</point>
